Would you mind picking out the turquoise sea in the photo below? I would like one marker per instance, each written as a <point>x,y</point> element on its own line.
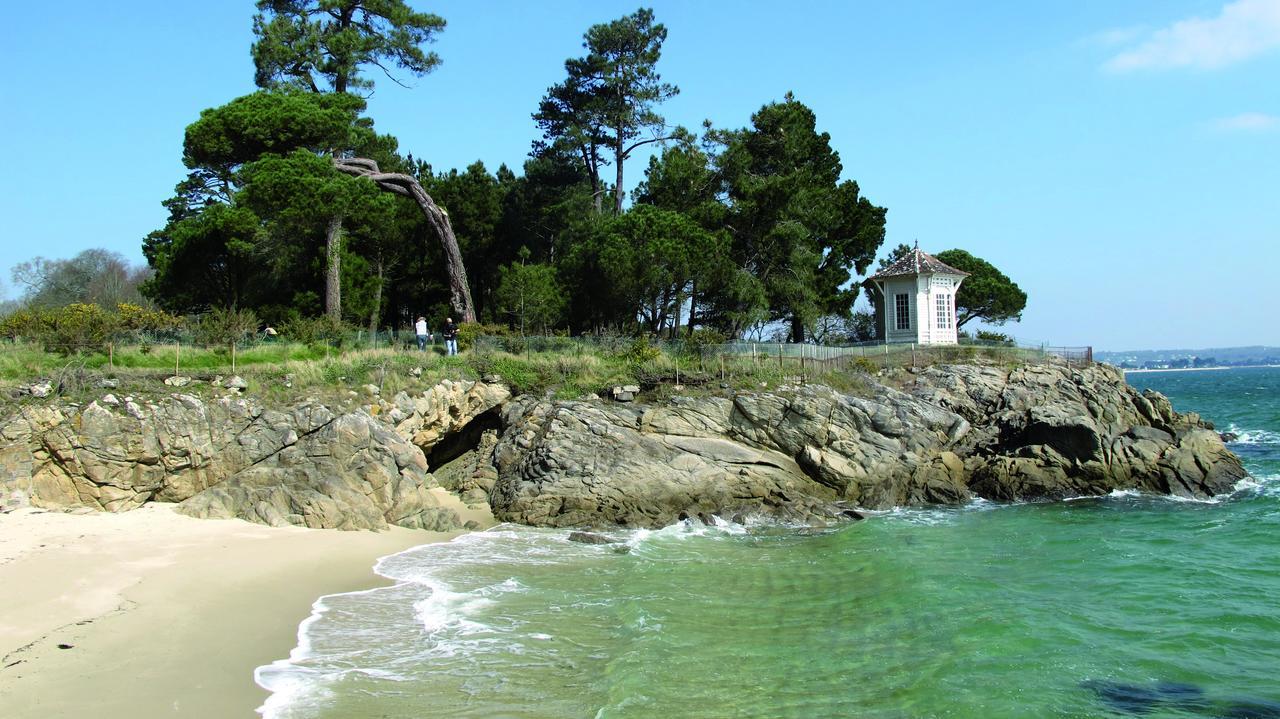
<point>1116,606</point>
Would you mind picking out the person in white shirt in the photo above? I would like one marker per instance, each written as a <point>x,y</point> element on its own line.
<point>420,328</point>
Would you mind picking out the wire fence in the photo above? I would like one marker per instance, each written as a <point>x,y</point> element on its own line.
<point>802,356</point>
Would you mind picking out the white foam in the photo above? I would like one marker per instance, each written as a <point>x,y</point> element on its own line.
<point>1253,436</point>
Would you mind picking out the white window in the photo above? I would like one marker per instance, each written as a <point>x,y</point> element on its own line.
<point>902,311</point>
<point>943,303</point>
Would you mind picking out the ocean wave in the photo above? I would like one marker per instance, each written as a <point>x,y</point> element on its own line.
<point>1253,436</point>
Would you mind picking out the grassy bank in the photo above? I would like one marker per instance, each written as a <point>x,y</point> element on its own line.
<point>288,371</point>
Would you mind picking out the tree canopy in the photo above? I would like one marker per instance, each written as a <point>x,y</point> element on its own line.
<point>797,227</point>
<point>986,294</point>
<point>322,45</point>
<point>294,204</point>
<point>609,97</point>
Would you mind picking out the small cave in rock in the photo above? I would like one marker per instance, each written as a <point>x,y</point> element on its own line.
<point>460,453</point>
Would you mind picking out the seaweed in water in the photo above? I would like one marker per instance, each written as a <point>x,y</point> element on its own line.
<point>1135,699</point>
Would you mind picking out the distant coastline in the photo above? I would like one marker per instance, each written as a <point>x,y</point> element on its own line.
<point>1194,369</point>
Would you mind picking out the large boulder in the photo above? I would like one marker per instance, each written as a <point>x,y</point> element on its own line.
<point>230,457</point>
<point>351,473</point>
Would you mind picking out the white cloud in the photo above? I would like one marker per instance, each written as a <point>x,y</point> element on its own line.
<point>1244,29</point>
<point>1115,36</point>
<point>1247,122</point>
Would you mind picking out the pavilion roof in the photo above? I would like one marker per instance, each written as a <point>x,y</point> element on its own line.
<point>917,262</point>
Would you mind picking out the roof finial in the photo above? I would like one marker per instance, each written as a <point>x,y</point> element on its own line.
<point>917,243</point>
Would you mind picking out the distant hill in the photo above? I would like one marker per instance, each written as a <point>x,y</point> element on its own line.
<point>1211,357</point>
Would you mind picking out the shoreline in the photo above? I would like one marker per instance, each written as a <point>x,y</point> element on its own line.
<point>151,613</point>
<point>1139,370</point>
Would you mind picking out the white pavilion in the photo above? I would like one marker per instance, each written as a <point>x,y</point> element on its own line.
<point>915,300</point>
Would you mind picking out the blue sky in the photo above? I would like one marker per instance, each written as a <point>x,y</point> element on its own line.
<point>1119,159</point>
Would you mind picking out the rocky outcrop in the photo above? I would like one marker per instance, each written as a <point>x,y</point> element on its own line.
<point>807,453</point>
<point>443,410</point>
<point>952,433</point>
<point>224,458</point>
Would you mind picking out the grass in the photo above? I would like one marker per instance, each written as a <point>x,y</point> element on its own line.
<point>286,372</point>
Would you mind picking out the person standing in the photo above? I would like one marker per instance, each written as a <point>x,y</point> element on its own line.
<point>420,329</point>
<point>450,334</point>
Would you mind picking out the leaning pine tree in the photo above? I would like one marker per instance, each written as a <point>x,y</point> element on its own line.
<point>321,45</point>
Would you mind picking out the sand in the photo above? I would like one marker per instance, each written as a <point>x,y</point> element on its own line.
<point>152,614</point>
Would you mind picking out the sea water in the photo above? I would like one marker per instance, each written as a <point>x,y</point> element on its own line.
<point>1093,607</point>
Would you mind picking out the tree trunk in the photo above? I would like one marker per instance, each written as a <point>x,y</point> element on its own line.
<point>333,268</point>
<point>377,302</point>
<point>693,305</point>
<point>797,330</point>
<point>593,169</point>
<point>618,192</point>
<point>455,271</point>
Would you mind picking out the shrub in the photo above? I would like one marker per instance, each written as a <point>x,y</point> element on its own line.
<point>640,352</point>
<point>135,318</point>
<point>862,364</point>
<point>22,324</point>
<point>76,328</point>
<point>470,332</point>
<point>226,328</point>
<point>995,338</point>
<point>313,330</point>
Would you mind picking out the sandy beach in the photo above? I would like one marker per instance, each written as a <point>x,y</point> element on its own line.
<point>153,614</point>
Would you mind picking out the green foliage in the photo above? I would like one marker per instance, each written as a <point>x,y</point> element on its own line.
<point>322,330</point>
<point>862,364</point>
<point>470,332</point>
<point>609,96</point>
<point>318,43</point>
<point>640,352</point>
<point>226,327</point>
<point>530,296</point>
<point>986,294</point>
<point>76,328</point>
<point>799,229</point>
<point>902,250</point>
<point>269,122</point>
<point>21,324</point>
<point>996,338</point>
<point>208,259</point>
<point>135,318</point>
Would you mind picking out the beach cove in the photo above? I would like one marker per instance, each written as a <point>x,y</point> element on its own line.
<point>162,614</point>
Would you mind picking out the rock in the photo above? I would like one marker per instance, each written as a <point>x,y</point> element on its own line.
<point>491,378</point>
<point>108,383</point>
<point>444,409</point>
<point>415,372</point>
<point>590,538</point>
<point>1228,436</point>
<point>40,389</point>
<point>811,455</point>
<point>237,383</point>
<point>625,393</point>
<point>372,390</point>
<point>110,399</point>
<point>302,464</point>
<point>177,381</point>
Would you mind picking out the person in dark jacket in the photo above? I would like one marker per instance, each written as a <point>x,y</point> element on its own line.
<point>450,334</point>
